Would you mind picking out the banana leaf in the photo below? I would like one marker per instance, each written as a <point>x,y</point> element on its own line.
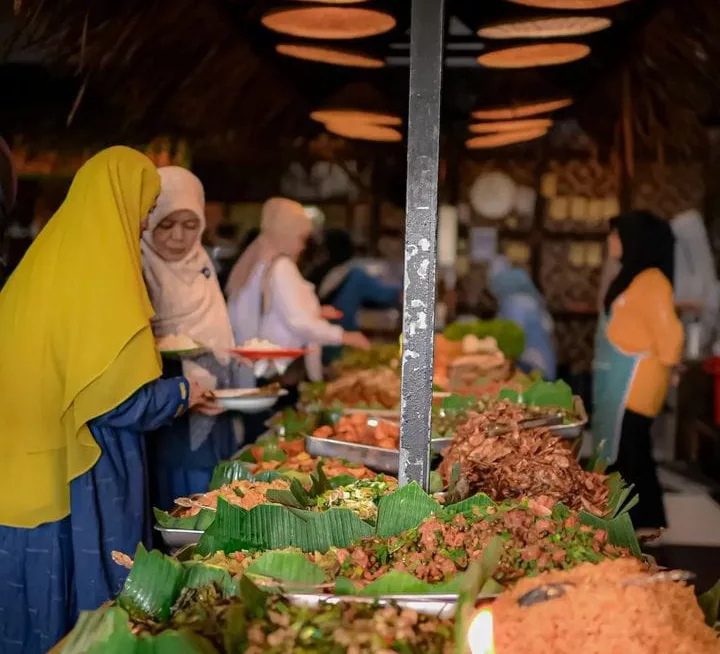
<point>272,527</point>
<point>201,574</point>
<point>620,530</point>
<point>289,567</point>
<point>174,642</point>
<point>237,470</point>
<point>542,393</point>
<point>104,631</point>
<point>710,603</point>
<point>152,586</point>
<point>481,501</point>
<point>479,574</point>
<point>199,522</point>
<point>405,508</point>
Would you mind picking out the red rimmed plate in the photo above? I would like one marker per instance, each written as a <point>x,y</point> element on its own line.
<point>262,355</point>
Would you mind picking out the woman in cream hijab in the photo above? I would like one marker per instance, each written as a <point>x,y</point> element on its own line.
<point>268,297</point>
<point>188,301</point>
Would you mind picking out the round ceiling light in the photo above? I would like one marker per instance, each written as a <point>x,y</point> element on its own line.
<point>510,126</point>
<point>569,4</point>
<point>329,56</point>
<point>530,56</point>
<point>334,2</point>
<point>546,28</point>
<point>355,116</point>
<point>507,138</point>
<point>363,131</point>
<point>522,110</point>
<point>329,22</point>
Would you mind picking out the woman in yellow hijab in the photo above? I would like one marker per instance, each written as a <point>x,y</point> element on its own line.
<point>79,373</point>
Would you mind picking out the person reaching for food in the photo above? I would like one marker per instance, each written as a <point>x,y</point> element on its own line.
<point>188,302</point>
<point>80,378</point>
<point>268,297</point>
<point>344,287</point>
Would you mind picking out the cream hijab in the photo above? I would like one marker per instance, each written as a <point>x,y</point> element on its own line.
<point>185,294</point>
<point>281,222</point>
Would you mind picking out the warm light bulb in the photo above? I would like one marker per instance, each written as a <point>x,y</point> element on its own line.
<point>480,634</point>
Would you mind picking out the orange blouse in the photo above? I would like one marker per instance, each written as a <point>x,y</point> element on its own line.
<point>644,323</point>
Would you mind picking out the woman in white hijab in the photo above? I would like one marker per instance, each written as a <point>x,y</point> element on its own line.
<point>188,301</point>
<point>268,297</point>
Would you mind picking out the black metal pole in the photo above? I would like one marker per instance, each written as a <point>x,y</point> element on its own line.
<point>421,224</point>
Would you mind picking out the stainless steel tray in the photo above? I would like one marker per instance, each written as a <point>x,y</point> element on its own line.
<point>379,459</point>
<point>570,431</point>
<point>437,605</point>
<point>179,537</point>
<point>573,429</point>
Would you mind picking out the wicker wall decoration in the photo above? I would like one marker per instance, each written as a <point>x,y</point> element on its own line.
<point>668,190</point>
<point>580,196</point>
<point>329,56</point>
<point>575,344</point>
<point>522,172</point>
<point>567,278</point>
<point>546,28</point>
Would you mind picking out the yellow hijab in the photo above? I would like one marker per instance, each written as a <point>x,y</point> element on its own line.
<point>75,337</point>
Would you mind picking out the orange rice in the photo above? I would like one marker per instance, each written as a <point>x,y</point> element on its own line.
<point>598,615</point>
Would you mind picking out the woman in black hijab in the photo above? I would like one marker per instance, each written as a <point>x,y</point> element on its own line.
<point>639,340</point>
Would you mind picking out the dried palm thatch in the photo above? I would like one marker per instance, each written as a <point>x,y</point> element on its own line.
<point>187,70</point>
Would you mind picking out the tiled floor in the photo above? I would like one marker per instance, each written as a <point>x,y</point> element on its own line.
<point>692,539</point>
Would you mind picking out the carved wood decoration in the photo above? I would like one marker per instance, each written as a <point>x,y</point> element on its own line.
<point>668,190</point>
<point>580,196</point>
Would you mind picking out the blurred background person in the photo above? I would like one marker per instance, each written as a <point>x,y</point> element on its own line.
<point>187,299</point>
<point>639,340</point>
<point>520,301</point>
<point>268,297</point>
<point>341,283</point>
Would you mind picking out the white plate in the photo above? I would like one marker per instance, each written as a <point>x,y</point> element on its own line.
<point>251,404</point>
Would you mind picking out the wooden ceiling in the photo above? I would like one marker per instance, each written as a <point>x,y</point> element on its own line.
<point>209,71</point>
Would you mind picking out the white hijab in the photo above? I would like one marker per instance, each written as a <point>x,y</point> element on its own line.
<point>187,298</point>
<point>185,294</point>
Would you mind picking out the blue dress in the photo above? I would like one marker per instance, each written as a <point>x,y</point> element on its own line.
<point>359,289</point>
<point>50,573</point>
<point>176,467</point>
<point>520,302</point>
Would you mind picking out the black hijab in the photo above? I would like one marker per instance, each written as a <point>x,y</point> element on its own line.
<point>647,242</point>
<point>339,249</point>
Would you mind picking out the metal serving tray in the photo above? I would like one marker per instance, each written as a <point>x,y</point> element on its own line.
<point>442,606</point>
<point>573,429</point>
<point>387,460</point>
<point>380,459</point>
<point>175,538</point>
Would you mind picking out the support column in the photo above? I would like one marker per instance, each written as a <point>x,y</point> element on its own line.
<point>421,224</point>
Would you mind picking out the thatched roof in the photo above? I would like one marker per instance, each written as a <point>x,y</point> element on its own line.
<point>208,71</point>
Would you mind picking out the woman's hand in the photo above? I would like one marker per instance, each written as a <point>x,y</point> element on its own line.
<point>356,340</point>
<point>202,400</point>
<point>328,312</point>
